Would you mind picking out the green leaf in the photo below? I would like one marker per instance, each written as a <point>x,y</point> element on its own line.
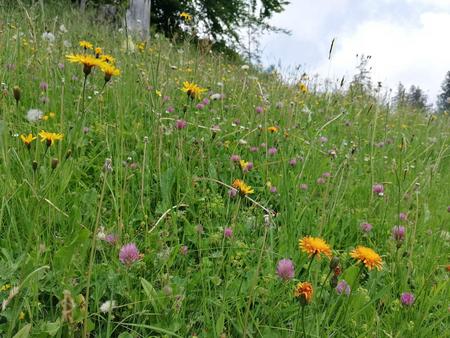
<point>52,328</point>
<point>219,324</point>
<point>23,332</point>
<point>151,294</point>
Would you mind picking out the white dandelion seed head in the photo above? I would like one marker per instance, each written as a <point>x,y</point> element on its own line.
<point>34,115</point>
<point>108,306</point>
<point>48,36</point>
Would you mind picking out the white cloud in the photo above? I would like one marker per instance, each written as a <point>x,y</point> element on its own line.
<point>407,39</point>
<point>413,54</point>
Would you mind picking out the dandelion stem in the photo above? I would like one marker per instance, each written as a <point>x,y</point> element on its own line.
<point>303,321</point>
<point>91,257</point>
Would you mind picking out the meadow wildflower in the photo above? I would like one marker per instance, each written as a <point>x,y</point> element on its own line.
<point>235,158</point>
<point>303,186</point>
<point>129,253</point>
<point>243,188</point>
<point>253,149</point>
<point>180,124</point>
<point>403,216</point>
<point>232,193</point>
<point>273,189</point>
<point>259,109</point>
<point>50,138</point>
<point>184,250</point>
<point>192,89</point>
<point>314,246</point>
<point>368,257</point>
<point>321,180</point>
<point>216,96</point>
<point>111,239</point>
<point>398,233</point>
<point>86,45</point>
<point>98,51</point>
<point>303,88</point>
<point>228,232</point>
<point>107,166</point>
<point>27,139</point>
<point>293,162</point>
<point>272,151</point>
<point>88,61</point>
<point>365,227</point>
<point>199,106</point>
<point>48,36</point>
<point>108,306</point>
<point>407,298</point>
<point>343,287</point>
<point>304,292</point>
<point>323,139</point>
<point>285,269</point>
<point>378,189</point>
<point>109,70</point>
<point>43,86</point>
<point>272,129</point>
<point>186,16</point>
<point>107,58</point>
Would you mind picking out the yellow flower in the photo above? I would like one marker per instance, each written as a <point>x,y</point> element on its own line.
<point>367,256</point>
<point>86,45</point>
<point>243,188</point>
<point>243,164</point>
<point>5,287</point>
<point>27,139</point>
<point>45,117</point>
<point>303,88</point>
<point>272,129</point>
<point>314,246</point>
<point>141,46</point>
<point>107,58</point>
<point>52,114</point>
<point>109,70</point>
<point>304,292</point>
<point>88,61</point>
<point>21,315</point>
<point>158,92</point>
<point>98,51</point>
<point>193,90</point>
<point>186,16</point>
<point>50,138</point>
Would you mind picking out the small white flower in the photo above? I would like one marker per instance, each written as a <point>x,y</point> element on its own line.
<point>48,36</point>
<point>108,306</point>
<point>245,67</point>
<point>67,44</point>
<point>34,115</point>
<point>62,28</point>
<point>243,142</point>
<point>101,233</point>
<point>220,84</point>
<point>215,96</point>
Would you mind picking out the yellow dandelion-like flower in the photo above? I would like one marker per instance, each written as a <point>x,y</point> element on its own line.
<point>303,88</point>
<point>98,51</point>
<point>21,315</point>
<point>27,139</point>
<point>109,70</point>
<point>193,90</point>
<point>314,246</point>
<point>141,46</point>
<point>107,58</point>
<point>243,188</point>
<point>368,257</point>
<point>88,61</point>
<point>86,45</point>
<point>304,292</point>
<point>50,138</point>
<point>186,16</point>
<point>272,129</point>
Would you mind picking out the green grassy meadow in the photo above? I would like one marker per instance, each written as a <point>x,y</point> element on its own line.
<point>141,162</point>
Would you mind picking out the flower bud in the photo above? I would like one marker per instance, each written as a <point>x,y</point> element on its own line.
<point>34,165</point>
<point>334,262</point>
<point>55,163</point>
<point>16,93</point>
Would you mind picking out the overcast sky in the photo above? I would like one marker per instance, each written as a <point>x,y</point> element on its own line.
<point>409,40</point>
